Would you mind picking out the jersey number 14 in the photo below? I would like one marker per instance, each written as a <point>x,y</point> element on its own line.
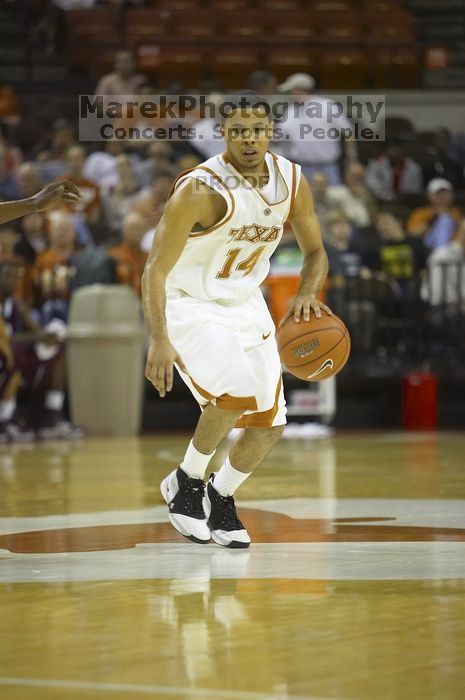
<point>246,266</point>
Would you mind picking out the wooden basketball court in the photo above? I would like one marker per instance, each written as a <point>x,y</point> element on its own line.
<point>353,589</point>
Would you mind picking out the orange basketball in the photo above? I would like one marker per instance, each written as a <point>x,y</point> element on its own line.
<point>315,349</point>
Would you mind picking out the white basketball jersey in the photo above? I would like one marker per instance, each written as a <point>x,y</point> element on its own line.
<point>232,258</point>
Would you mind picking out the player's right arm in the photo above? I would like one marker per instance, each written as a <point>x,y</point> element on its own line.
<point>185,209</point>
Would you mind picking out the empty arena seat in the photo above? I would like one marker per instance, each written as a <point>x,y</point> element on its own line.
<point>282,5</point>
<point>92,26</point>
<point>293,26</point>
<point>229,5</point>
<point>283,62</point>
<point>174,5</point>
<point>343,69</point>
<point>332,5</point>
<point>144,26</point>
<point>340,32</point>
<point>194,28</point>
<point>181,64</point>
<point>233,65</point>
<point>395,68</point>
<point>390,33</point>
<point>247,28</point>
<point>381,5</point>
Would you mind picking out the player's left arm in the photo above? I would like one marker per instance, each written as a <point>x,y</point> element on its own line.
<point>306,228</point>
<point>54,195</point>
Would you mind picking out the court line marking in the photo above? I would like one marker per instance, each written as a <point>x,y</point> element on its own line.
<point>154,689</point>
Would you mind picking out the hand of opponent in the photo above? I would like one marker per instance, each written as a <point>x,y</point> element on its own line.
<point>161,358</point>
<point>55,194</point>
<point>303,305</point>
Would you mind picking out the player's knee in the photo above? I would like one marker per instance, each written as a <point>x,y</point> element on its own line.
<point>266,436</point>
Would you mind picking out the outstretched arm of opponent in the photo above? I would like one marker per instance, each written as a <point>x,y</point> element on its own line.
<point>306,228</point>
<point>183,211</point>
<point>55,194</point>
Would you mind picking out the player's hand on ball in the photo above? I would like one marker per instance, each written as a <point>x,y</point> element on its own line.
<point>159,369</point>
<point>302,306</point>
<point>56,194</point>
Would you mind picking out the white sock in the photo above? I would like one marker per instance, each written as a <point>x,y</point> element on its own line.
<point>7,408</point>
<point>54,400</point>
<point>228,479</point>
<point>195,462</point>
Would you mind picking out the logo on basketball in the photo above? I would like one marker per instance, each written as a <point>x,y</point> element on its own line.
<point>306,348</point>
<point>327,364</point>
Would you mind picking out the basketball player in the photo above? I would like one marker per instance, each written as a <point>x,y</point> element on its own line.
<point>206,314</point>
<point>54,195</point>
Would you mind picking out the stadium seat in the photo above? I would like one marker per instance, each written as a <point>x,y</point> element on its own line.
<point>195,29</point>
<point>381,5</point>
<point>144,26</point>
<point>229,5</point>
<point>340,32</point>
<point>283,62</point>
<point>93,26</point>
<point>394,68</point>
<point>176,5</point>
<point>233,65</point>
<point>247,28</point>
<point>343,69</point>
<point>180,64</point>
<point>332,5</point>
<point>296,26</point>
<point>390,33</point>
<point>281,5</point>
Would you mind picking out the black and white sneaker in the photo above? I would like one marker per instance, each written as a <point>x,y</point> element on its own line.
<point>185,500</point>
<point>14,432</point>
<point>61,430</point>
<point>226,528</point>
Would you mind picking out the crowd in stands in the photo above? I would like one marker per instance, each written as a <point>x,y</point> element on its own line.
<point>387,219</point>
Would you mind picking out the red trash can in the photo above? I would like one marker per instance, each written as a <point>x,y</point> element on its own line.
<point>420,401</point>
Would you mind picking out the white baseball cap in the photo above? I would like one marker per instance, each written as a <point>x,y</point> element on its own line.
<point>438,184</point>
<point>304,81</point>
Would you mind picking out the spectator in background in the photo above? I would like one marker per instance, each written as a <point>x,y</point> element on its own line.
<point>31,241</point>
<point>121,197</point>
<point>446,274</point>
<point>348,271</point>
<point>53,268</point>
<point>86,212</point>
<point>440,163</point>
<point>28,181</point>
<point>33,237</point>
<point>436,223</point>
<point>100,166</point>
<point>352,197</point>
<point>392,174</point>
<point>37,360</point>
<point>400,256</point>
<point>123,80</point>
<point>9,107</point>
<point>160,154</point>
<point>208,141</point>
<point>321,203</point>
<point>52,151</point>
<point>151,202</point>
<point>8,183</point>
<point>130,258</point>
<point>262,82</point>
<point>314,155</point>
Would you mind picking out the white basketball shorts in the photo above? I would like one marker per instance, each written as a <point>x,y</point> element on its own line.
<point>230,352</point>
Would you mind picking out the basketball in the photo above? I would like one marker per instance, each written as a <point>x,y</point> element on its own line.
<point>316,349</point>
